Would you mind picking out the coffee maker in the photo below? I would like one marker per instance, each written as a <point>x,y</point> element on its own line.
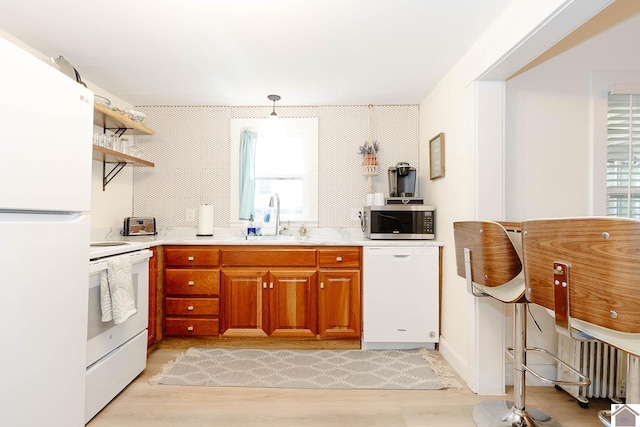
<point>402,181</point>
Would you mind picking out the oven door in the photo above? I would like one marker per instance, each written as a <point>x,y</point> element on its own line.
<point>104,337</point>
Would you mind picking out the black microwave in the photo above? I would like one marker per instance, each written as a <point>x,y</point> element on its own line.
<point>415,222</point>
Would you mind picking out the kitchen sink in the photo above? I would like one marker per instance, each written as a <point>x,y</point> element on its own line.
<point>108,244</point>
<point>272,238</point>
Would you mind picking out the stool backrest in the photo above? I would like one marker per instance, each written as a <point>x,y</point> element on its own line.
<point>603,259</point>
<point>494,259</point>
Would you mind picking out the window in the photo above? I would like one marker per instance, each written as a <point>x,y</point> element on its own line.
<point>278,171</point>
<point>623,155</point>
<point>286,165</point>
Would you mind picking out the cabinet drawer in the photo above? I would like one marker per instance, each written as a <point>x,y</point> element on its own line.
<point>191,256</point>
<point>192,306</point>
<point>191,282</point>
<point>268,257</point>
<point>191,326</point>
<point>339,257</point>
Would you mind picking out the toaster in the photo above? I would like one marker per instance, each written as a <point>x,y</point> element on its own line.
<point>138,226</point>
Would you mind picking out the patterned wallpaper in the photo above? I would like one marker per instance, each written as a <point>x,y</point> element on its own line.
<point>191,152</point>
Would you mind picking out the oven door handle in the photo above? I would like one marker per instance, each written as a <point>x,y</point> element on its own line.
<point>141,256</point>
<point>95,267</point>
<point>136,257</point>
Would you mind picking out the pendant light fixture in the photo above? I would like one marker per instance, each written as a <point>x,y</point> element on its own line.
<point>274,127</point>
<point>274,98</point>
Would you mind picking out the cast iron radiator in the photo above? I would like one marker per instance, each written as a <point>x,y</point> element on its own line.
<point>606,366</point>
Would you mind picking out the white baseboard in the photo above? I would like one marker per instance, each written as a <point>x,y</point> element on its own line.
<point>454,359</point>
<point>459,364</point>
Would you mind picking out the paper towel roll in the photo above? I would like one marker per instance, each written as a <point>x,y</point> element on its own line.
<point>205,220</point>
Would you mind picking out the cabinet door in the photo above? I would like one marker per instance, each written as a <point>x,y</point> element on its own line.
<point>339,304</point>
<point>292,303</point>
<point>243,297</point>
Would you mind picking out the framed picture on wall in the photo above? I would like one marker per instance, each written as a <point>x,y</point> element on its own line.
<point>436,156</point>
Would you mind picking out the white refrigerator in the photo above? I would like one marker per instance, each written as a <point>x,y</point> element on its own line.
<point>45,185</point>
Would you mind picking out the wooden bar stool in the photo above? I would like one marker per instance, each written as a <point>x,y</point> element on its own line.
<point>588,271</point>
<point>487,257</point>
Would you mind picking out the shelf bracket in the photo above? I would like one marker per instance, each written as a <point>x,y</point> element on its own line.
<point>117,131</point>
<point>107,177</point>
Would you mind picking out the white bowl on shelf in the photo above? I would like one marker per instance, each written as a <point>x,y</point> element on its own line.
<point>102,100</point>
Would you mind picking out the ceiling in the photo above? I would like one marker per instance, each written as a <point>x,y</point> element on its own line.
<point>236,52</point>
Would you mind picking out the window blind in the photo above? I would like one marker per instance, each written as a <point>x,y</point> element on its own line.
<point>623,155</point>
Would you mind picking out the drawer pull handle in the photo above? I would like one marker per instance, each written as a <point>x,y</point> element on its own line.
<point>190,308</point>
<point>339,259</point>
<point>191,283</point>
<point>189,328</point>
<point>270,285</point>
<point>191,258</point>
<point>321,285</point>
<point>264,285</point>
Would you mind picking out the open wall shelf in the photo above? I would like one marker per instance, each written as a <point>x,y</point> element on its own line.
<point>110,156</point>
<point>111,120</point>
<point>108,119</point>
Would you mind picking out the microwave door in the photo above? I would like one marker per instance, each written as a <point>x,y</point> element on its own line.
<point>400,222</point>
<point>391,223</point>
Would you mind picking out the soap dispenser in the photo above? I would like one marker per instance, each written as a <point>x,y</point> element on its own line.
<point>251,229</point>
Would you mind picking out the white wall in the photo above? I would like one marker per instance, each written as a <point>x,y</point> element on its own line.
<point>111,206</point>
<point>453,196</point>
<point>472,187</point>
<point>550,125</point>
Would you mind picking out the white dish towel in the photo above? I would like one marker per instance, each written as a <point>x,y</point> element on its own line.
<point>116,291</point>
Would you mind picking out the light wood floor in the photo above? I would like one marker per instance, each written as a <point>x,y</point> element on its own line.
<point>142,404</point>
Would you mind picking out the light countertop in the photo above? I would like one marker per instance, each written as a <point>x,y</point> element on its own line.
<point>223,236</point>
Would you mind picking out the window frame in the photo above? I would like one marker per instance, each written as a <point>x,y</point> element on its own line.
<point>623,154</point>
<point>603,82</point>
<point>307,126</point>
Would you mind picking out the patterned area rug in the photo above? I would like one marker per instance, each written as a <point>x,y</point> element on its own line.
<point>322,369</point>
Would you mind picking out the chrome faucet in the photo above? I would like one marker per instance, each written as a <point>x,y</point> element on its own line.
<point>275,196</point>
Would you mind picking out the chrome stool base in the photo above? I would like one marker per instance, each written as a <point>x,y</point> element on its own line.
<point>501,413</point>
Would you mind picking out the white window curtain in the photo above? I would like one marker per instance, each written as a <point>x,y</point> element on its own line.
<point>248,140</point>
<point>623,154</point>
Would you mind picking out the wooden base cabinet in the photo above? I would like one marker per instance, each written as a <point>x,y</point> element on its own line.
<point>339,300</point>
<point>155,303</point>
<point>192,291</point>
<point>339,304</point>
<point>291,292</point>
<point>269,303</point>
<point>262,291</point>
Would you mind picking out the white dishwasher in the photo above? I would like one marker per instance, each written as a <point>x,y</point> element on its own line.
<point>401,297</point>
